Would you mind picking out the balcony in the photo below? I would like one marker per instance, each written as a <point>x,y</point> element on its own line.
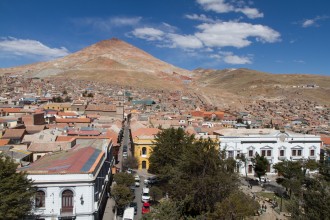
<point>282,158</point>
<point>67,213</point>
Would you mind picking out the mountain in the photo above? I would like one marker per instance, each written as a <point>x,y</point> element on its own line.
<point>113,61</point>
<point>248,85</point>
<point>117,62</point>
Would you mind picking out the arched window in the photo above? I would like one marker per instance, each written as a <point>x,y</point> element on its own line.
<point>67,201</point>
<point>40,199</point>
<point>144,151</point>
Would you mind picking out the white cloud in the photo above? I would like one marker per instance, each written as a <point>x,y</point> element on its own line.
<point>222,6</point>
<point>235,34</point>
<point>148,33</point>
<point>28,48</point>
<point>234,59</point>
<point>201,17</point>
<point>185,41</point>
<point>108,23</point>
<point>313,22</point>
<point>299,61</point>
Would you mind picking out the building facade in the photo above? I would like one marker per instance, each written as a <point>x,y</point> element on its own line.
<point>275,145</point>
<point>73,184</point>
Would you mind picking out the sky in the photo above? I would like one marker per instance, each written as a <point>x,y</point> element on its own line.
<point>275,36</point>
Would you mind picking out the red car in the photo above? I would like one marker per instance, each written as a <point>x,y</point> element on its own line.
<point>146,208</point>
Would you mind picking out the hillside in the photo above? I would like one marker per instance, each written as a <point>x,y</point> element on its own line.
<point>112,61</point>
<point>248,85</point>
<point>118,62</point>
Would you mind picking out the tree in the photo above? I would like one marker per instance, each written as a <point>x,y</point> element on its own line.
<point>236,206</point>
<point>169,143</point>
<point>65,92</point>
<point>260,165</point>
<point>122,195</point>
<point>156,193</point>
<point>125,179</point>
<point>165,210</point>
<point>16,191</point>
<point>243,161</point>
<point>198,176</point>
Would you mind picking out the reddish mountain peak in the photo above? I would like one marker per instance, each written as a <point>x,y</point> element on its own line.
<point>110,43</point>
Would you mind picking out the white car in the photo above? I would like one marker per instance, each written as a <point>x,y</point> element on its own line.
<point>137,180</point>
<point>263,179</point>
<point>145,195</point>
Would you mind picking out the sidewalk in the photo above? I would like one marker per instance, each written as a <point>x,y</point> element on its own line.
<point>109,208</point>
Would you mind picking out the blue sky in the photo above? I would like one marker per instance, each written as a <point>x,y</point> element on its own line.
<point>276,36</point>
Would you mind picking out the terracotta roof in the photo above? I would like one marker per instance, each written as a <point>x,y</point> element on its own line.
<point>67,114</point>
<point>146,132</point>
<point>11,110</point>
<point>14,133</point>
<point>49,146</point>
<point>4,142</point>
<point>65,138</point>
<point>75,160</point>
<point>325,140</point>
<point>73,120</point>
<point>34,128</point>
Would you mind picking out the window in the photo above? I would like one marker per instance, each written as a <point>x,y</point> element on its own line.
<point>269,153</point>
<point>67,201</point>
<point>263,153</point>
<point>312,153</point>
<point>296,153</point>
<point>238,153</point>
<point>40,199</point>
<point>230,153</point>
<point>144,151</point>
<point>250,153</point>
<point>281,153</point>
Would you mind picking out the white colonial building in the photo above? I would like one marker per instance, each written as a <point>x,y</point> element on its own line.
<point>275,145</point>
<point>72,184</point>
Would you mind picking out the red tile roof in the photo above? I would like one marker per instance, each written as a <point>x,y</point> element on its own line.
<point>146,132</point>
<point>4,142</point>
<point>14,133</point>
<point>73,120</point>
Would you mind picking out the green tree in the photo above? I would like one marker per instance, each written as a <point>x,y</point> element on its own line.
<point>236,206</point>
<point>169,144</point>
<point>156,193</point>
<point>165,210</point>
<point>260,164</point>
<point>125,179</point>
<point>16,191</point>
<point>198,176</point>
<point>122,195</point>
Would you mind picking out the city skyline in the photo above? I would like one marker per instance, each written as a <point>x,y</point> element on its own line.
<point>272,36</point>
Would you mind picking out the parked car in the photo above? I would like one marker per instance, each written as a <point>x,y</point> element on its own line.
<point>145,197</point>
<point>134,205</point>
<point>129,213</point>
<point>146,208</point>
<point>151,180</point>
<point>263,179</point>
<point>137,180</point>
